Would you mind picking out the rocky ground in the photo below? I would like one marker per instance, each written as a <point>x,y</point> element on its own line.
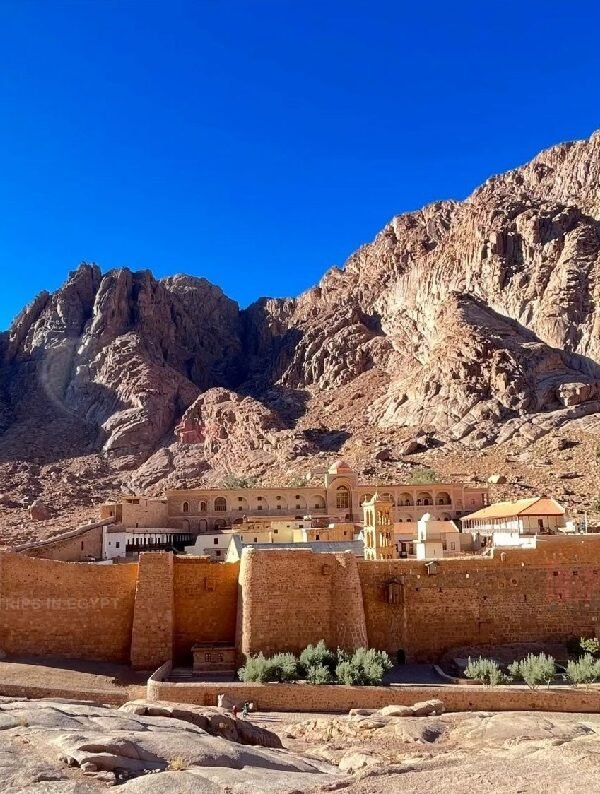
<point>68,747</point>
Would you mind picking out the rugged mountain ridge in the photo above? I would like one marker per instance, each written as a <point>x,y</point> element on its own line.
<point>464,323</point>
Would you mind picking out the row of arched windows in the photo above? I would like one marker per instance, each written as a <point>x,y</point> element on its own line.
<point>240,504</point>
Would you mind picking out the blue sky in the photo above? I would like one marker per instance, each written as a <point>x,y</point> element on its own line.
<point>259,142</point>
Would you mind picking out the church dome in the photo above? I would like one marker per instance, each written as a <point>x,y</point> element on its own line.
<point>340,467</point>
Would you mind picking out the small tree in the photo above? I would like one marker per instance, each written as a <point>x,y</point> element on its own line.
<point>235,481</point>
<point>590,645</point>
<point>422,475</point>
<point>485,670</point>
<point>534,670</point>
<point>585,670</point>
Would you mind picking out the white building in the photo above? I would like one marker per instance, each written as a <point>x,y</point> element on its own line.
<point>515,523</point>
<point>436,539</point>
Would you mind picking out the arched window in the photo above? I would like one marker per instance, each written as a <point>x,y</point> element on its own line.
<point>405,499</point>
<point>186,507</point>
<point>443,498</point>
<point>342,498</point>
<point>388,497</point>
<point>220,504</point>
<point>203,507</point>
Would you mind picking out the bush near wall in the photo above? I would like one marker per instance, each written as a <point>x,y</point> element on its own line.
<point>535,670</point>
<point>318,664</point>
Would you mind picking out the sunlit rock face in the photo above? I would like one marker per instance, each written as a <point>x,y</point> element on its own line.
<point>477,321</point>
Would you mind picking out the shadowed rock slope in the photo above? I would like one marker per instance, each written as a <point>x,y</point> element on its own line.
<point>471,325</point>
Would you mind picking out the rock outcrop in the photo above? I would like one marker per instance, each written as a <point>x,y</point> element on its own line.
<point>476,321</point>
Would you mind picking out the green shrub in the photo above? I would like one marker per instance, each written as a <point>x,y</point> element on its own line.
<point>318,655</point>
<point>366,667</point>
<point>485,670</point>
<point>235,481</point>
<point>585,670</point>
<point>283,667</point>
<point>534,670</point>
<point>319,674</point>
<point>345,674</point>
<point>590,645</point>
<point>423,475</point>
<point>257,668</point>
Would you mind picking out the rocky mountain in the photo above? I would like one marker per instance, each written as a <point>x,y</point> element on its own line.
<point>466,337</point>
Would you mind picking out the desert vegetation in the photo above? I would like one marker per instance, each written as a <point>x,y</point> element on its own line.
<point>318,664</point>
<point>537,669</point>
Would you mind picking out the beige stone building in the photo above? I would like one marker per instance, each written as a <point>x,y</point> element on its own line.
<point>339,499</point>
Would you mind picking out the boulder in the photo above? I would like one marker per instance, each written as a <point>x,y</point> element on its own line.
<point>38,511</point>
<point>352,762</point>
<point>397,711</point>
<point>362,712</point>
<point>497,479</point>
<point>426,708</point>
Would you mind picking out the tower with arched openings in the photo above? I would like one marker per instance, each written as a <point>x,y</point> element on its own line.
<point>377,528</point>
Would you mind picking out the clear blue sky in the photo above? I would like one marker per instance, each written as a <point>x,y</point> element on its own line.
<point>258,142</point>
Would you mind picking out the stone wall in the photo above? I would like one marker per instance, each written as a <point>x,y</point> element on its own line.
<point>206,600</point>
<point>547,594</point>
<point>86,543</point>
<point>152,633</point>
<point>290,598</point>
<point>285,599</point>
<point>303,697</point>
<point>77,610</point>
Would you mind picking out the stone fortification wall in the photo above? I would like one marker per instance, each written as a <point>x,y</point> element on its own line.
<point>206,602</point>
<point>547,594</point>
<point>152,632</point>
<point>285,599</point>
<point>294,597</point>
<point>66,609</point>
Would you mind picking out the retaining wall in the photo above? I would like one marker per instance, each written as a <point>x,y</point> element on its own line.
<point>307,698</point>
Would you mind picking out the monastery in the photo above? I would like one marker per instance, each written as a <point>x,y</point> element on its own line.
<point>340,499</point>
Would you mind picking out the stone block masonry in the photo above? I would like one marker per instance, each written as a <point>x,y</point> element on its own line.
<point>294,597</point>
<point>300,697</point>
<point>152,634</point>
<point>71,610</point>
<point>158,609</point>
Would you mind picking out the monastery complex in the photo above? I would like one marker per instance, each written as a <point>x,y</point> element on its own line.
<point>205,576</point>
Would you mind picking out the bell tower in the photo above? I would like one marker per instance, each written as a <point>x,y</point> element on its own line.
<point>377,529</point>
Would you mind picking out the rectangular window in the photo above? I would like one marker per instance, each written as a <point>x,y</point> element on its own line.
<point>453,546</point>
<point>218,552</point>
<point>118,545</point>
<point>216,541</point>
<point>275,531</point>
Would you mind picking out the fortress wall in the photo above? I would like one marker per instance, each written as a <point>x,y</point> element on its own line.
<point>206,601</point>
<point>86,544</point>
<point>295,597</point>
<point>152,632</point>
<point>548,594</point>
<point>70,610</point>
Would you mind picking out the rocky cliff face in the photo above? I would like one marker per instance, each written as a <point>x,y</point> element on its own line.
<point>477,322</point>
